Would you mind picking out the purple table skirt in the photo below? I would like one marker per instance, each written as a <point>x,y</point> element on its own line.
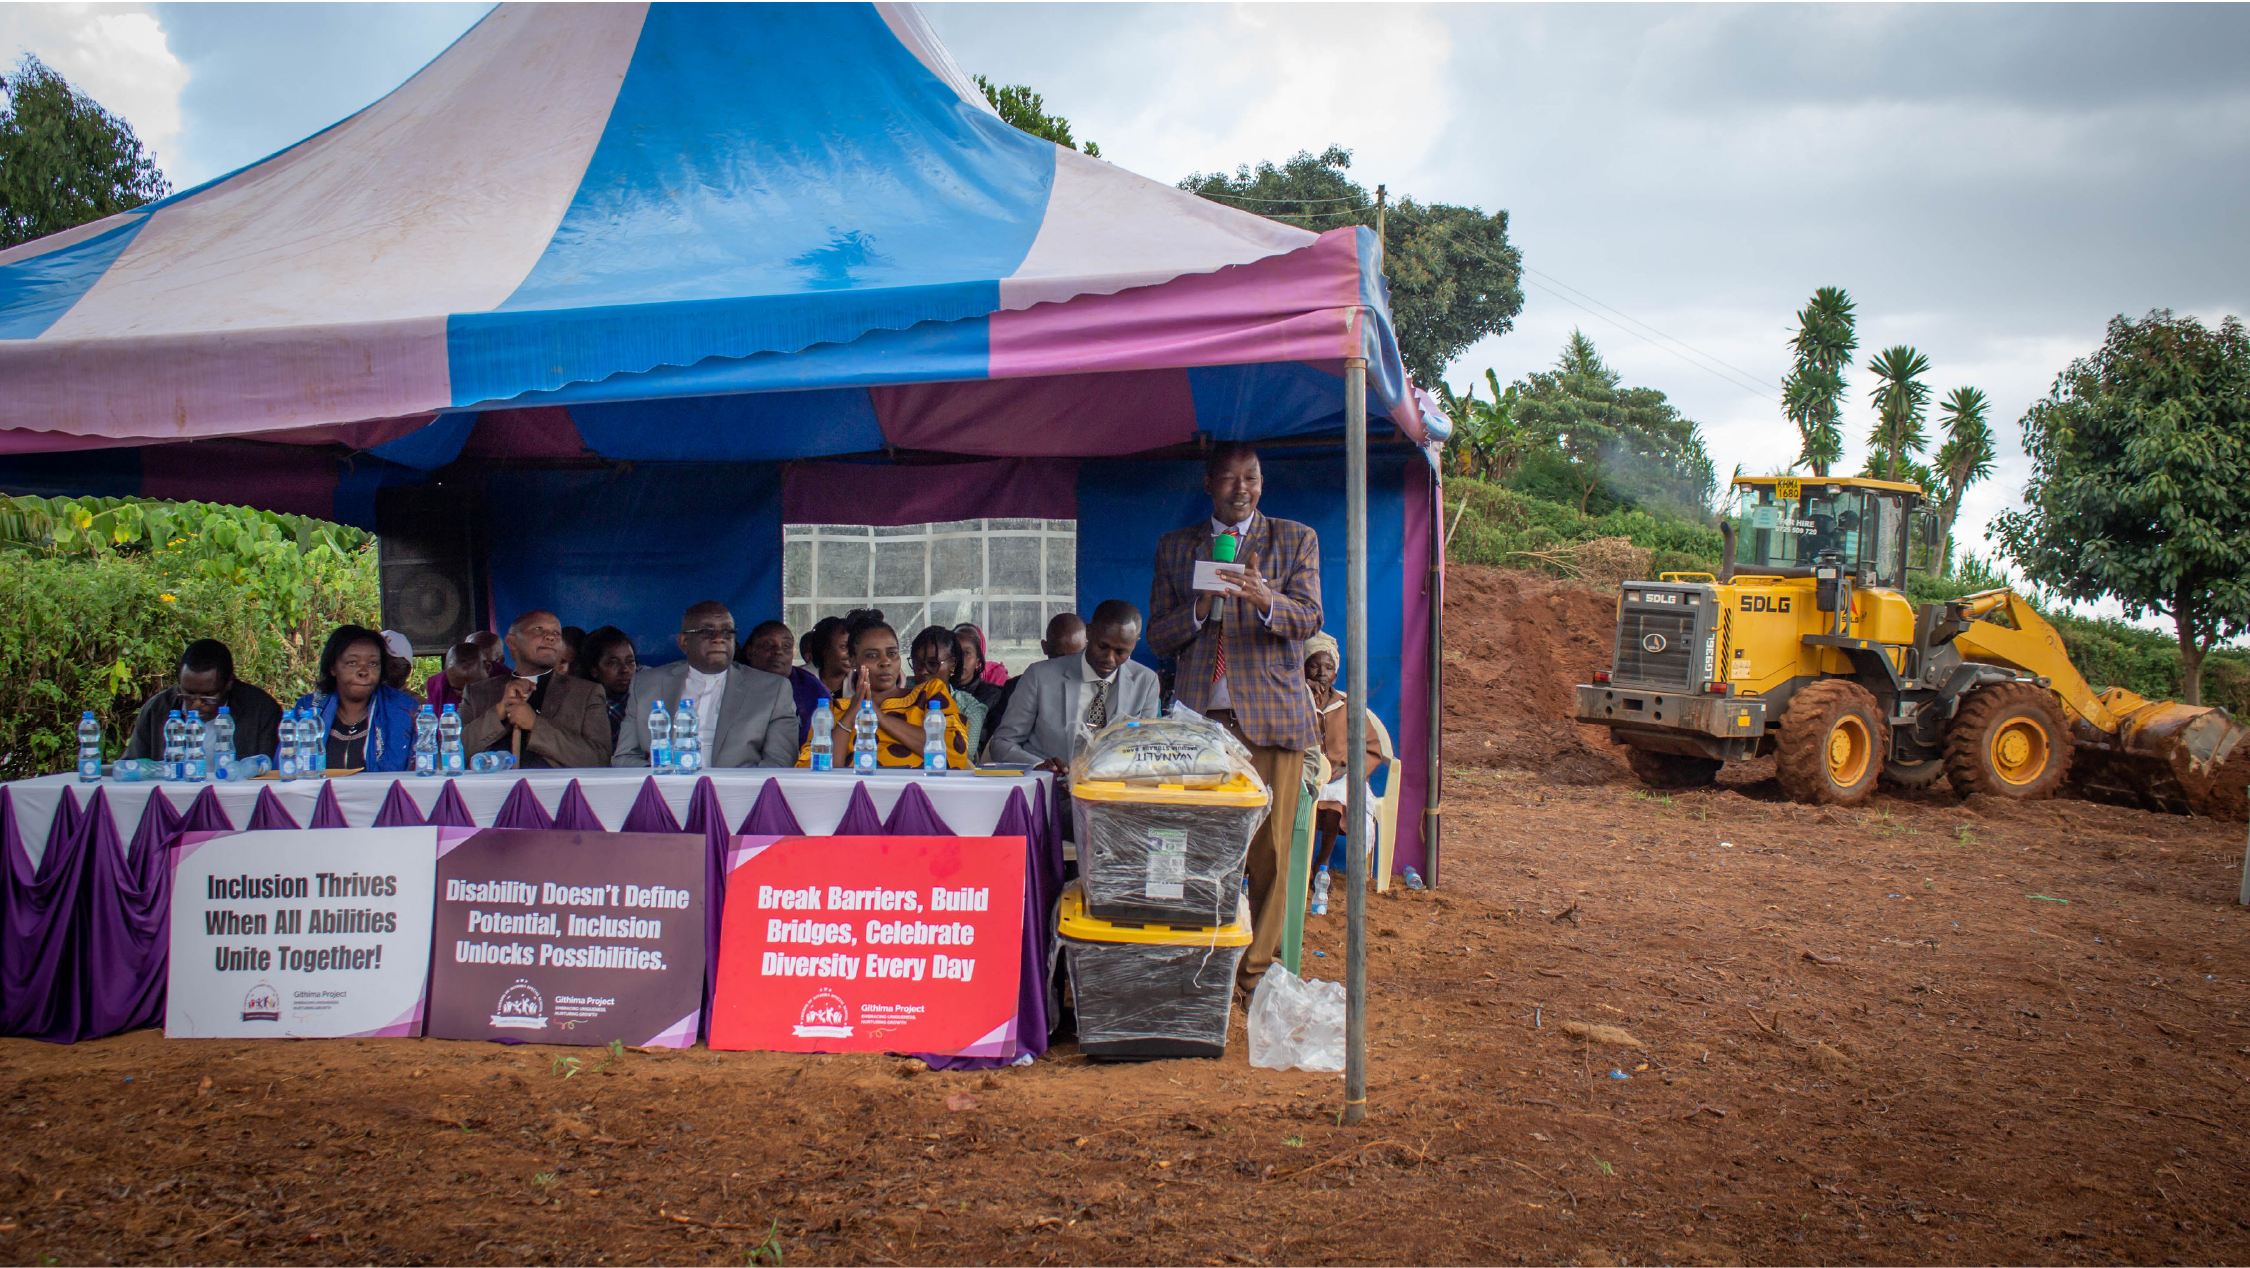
<point>85,932</point>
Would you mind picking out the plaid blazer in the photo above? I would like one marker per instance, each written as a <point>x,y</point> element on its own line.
<point>1265,658</point>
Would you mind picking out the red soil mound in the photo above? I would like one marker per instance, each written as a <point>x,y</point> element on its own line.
<point>1516,643</point>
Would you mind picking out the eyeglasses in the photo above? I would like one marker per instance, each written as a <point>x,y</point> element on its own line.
<point>709,632</point>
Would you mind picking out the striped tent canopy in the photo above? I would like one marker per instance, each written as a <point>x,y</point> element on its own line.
<point>675,233</point>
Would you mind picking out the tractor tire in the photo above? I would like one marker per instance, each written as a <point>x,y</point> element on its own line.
<point>1673,770</point>
<point>1913,774</point>
<point>1833,744</point>
<point>2008,741</point>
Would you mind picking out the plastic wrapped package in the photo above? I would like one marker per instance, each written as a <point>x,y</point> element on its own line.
<point>1148,991</point>
<point>1183,749</point>
<point>1296,1023</point>
<point>1165,854</point>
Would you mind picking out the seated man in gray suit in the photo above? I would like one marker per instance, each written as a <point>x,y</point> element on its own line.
<point>1072,696</point>
<point>543,717</point>
<point>744,716</point>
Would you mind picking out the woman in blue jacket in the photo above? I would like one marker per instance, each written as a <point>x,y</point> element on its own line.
<point>366,725</point>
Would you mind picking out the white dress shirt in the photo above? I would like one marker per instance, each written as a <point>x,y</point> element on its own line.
<point>1219,697</point>
<point>708,691</point>
<point>1089,682</point>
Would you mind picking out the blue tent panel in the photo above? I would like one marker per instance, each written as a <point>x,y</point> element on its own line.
<point>634,548</point>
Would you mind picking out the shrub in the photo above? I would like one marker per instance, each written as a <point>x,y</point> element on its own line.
<point>104,631</point>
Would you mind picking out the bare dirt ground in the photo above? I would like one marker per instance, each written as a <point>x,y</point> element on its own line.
<point>1919,1031</point>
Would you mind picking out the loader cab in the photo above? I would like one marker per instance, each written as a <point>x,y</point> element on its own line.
<point>1782,526</point>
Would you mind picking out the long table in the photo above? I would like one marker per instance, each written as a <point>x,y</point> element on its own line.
<point>85,869</point>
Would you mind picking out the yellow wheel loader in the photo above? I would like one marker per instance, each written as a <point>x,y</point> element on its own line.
<point>1804,646</point>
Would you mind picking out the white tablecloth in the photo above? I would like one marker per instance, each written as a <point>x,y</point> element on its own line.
<point>970,804</point>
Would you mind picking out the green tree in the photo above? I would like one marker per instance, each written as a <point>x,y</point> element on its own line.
<point>1629,441</point>
<point>1964,459</point>
<point>1453,276</point>
<point>1487,441</point>
<point>1027,110</point>
<point>1812,395</point>
<point>63,159</point>
<point>2137,457</point>
<point>1902,402</point>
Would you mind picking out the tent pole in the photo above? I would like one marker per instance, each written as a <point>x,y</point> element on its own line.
<point>1433,783</point>
<point>1355,731</point>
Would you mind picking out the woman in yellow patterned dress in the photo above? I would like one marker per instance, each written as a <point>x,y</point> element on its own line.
<point>878,674</point>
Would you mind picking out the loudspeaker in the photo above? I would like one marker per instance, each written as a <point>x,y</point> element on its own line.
<point>430,548</point>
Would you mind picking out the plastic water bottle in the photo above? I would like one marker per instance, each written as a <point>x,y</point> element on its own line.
<point>863,739</point>
<point>220,743</point>
<point>823,736</point>
<point>312,745</point>
<point>451,759</point>
<point>1320,889</point>
<point>175,747</point>
<point>687,740</point>
<point>198,766</point>
<point>286,763</point>
<point>89,748</point>
<point>425,742</point>
<point>659,738</point>
<point>250,767</point>
<point>933,738</point>
<point>1413,878</point>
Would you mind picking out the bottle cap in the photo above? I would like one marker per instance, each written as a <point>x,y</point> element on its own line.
<point>428,709</point>
<point>87,714</point>
<point>449,708</point>
<point>223,712</point>
<point>824,703</point>
<point>175,713</point>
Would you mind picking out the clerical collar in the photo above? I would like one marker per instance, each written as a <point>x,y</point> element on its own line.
<point>541,676</point>
<point>702,679</point>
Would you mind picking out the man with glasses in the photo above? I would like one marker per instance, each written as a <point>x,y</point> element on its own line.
<point>543,717</point>
<point>743,716</point>
<point>207,681</point>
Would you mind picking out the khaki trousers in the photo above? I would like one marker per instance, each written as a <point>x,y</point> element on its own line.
<point>1283,769</point>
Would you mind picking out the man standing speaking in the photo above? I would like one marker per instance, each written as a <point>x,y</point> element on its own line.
<point>1241,657</point>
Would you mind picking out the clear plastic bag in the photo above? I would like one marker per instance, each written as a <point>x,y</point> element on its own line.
<point>1297,1024</point>
<point>1184,749</point>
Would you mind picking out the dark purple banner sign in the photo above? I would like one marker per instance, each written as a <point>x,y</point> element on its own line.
<point>569,938</point>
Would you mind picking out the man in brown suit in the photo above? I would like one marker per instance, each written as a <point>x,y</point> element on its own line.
<point>543,717</point>
<point>1242,661</point>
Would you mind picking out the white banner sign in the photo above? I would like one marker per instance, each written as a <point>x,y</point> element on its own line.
<point>314,933</point>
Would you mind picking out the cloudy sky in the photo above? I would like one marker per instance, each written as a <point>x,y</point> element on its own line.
<point>1991,183</point>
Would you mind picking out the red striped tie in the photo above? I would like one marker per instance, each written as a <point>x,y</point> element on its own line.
<point>1219,661</point>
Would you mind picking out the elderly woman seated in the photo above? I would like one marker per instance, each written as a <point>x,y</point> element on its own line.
<point>1321,663</point>
<point>878,676</point>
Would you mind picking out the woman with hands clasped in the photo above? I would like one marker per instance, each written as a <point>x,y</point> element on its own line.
<point>878,674</point>
<point>364,724</point>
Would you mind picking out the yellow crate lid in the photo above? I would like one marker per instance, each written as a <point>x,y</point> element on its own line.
<point>1074,923</point>
<point>1239,790</point>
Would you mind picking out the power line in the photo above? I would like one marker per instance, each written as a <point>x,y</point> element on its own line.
<point>1747,381</point>
<point>1727,379</point>
<point>1281,202</point>
<point>1724,378</point>
<point>1638,322</point>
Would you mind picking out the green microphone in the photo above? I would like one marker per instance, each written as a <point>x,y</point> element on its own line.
<point>1222,548</point>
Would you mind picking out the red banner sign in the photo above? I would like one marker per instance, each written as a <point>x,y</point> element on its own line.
<point>871,944</point>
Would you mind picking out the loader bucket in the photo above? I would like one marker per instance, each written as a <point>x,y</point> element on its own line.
<point>2168,756</point>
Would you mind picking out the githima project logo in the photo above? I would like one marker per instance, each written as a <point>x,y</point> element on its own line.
<point>520,1008</point>
<point>825,1016</point>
